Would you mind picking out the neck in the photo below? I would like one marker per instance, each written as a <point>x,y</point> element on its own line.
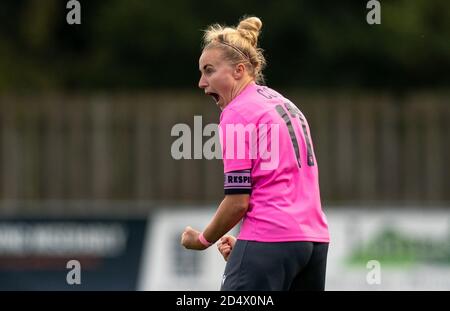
<point>239,87</point>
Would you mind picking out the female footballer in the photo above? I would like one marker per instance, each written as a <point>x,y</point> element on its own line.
<point>283,238</point>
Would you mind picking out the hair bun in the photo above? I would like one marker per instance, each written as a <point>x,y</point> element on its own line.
<point>250,28</point>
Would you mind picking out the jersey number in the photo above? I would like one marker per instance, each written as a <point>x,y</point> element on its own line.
<point>295,112</point>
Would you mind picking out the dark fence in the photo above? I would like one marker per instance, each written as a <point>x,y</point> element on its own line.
<point>118,147</point>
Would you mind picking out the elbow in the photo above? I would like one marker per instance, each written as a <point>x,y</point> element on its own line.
<point>241,208</point>
<point>239,205</point>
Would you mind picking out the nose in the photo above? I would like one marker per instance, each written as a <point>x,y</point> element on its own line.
<point>202,83</point>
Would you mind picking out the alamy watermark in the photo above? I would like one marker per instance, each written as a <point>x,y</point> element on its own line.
<point>74,275</point>
<point>374,15</point>
<point>373,277</point>
<point>74,15</point>
<point>240,141</point>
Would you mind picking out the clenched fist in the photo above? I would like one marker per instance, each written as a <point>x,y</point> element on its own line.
<point>225,245</point>
<point>189,239</point>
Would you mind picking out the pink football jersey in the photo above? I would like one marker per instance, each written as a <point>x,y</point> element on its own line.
<point>267,151</point>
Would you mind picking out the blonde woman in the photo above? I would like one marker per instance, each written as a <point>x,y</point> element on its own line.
<point>283,238</point>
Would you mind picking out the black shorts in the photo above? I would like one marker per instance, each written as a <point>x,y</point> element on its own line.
<point>272,266</point>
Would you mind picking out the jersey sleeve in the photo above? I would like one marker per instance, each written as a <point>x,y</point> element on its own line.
<point>237,142</point>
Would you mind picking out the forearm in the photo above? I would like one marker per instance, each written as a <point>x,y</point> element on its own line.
<point>228,214</point>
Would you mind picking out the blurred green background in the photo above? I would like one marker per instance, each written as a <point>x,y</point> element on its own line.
<point>155,44</point>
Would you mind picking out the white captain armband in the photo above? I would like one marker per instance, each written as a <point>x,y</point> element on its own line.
<point>238,182</point>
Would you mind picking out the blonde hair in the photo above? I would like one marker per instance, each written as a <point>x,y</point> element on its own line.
<point>239,44</point>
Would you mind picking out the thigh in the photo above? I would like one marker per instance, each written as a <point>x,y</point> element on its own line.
<point>231,279</point>
<point>312,276</point>
<point>249,267</point>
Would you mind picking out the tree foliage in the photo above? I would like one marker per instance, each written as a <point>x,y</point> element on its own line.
<point>142,44</point>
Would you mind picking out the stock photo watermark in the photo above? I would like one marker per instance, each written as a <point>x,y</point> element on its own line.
<point>248,141</point>
<point>74,275</point>
<point>74,15</point>
<point>373,17</point>
<point>373,277</point>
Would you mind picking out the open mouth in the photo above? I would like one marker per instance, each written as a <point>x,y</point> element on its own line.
<point>214,95</point>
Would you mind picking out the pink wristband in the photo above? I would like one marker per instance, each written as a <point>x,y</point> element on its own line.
<point>204,241</point>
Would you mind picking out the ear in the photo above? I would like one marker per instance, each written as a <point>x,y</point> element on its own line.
<point>239,71</point>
